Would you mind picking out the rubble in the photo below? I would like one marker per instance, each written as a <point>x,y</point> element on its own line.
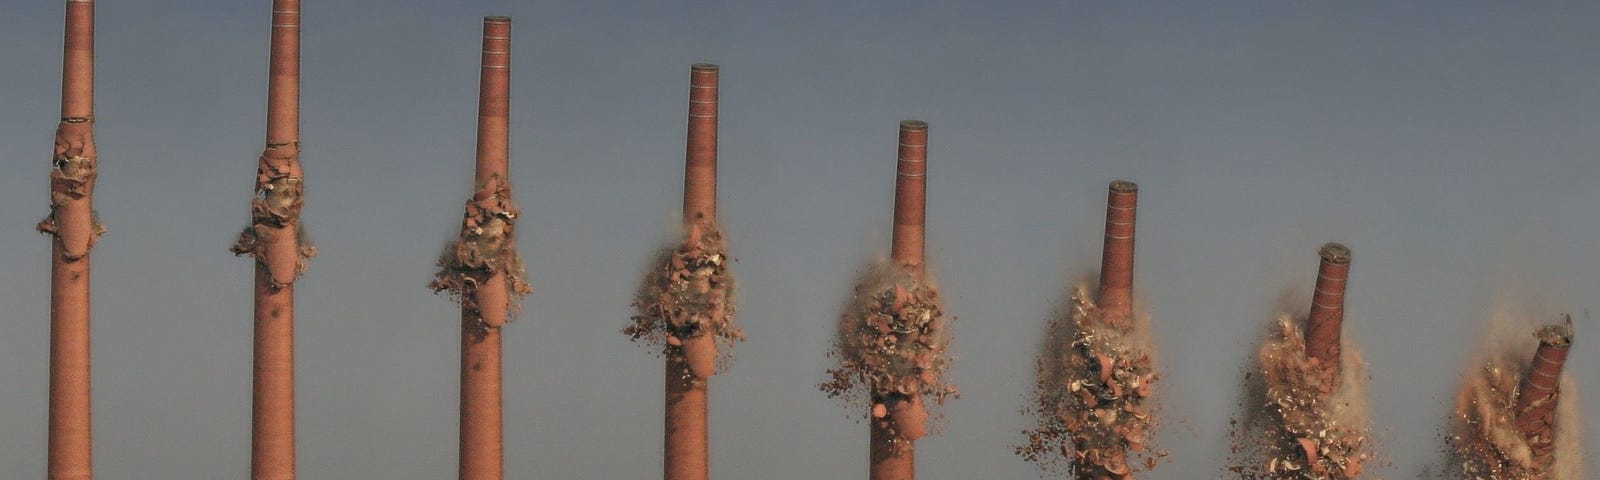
<point>1311,425</point>
<point>892,349</point>
<point>689,293</point>
<point>487,247</point>
<point>1093,397</point>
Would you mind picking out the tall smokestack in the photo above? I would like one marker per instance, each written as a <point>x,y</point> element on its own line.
<point>1116,258</point>
<point>1326,321</point>
<point>687,443</point>
<point>1539,392</point>
<point>482,449</point>
<point>274,239</point>
<point>889,461</point>
<point>72,225</point>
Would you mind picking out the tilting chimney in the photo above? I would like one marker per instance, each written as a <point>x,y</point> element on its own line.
<point>1326,321</point>
<point>1540,390</point>
<point>1116,258</point>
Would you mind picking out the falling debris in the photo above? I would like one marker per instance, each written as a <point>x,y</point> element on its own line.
<point>1312,425</point>
<point>486,248</point>
<point>1486,440</point>
<point>892,349</point>
<point>1093,396</point>
<point>688,294</point>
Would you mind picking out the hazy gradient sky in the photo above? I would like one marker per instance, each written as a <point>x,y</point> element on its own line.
<point>1451,144</point>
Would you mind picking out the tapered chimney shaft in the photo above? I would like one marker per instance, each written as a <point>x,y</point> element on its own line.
<point>283,87</point>
<point>687,443</point>
<point>72,225</point>
<point>77,79</point>
<point>910,192</point>
<point>482,450</point>
<point>1116,257</point>
<point>700,166</point>
<point>1326,321</point>
<point>1540,390</point>
<point>494,100</point>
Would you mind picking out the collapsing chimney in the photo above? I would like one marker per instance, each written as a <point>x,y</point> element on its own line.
<point>1094,373</point>
<point>893,341</point>
<point>74,230</point>
<point>687,454</point>
<point>1314,421</point>
<point>892,447</point>
<point>1506,418</point>
<point>1540,390</point>
<point>1324,324</point>
<point>277,243</point>
<point>685,304</point>
<point>482,269</point>
<point>1116,258</point>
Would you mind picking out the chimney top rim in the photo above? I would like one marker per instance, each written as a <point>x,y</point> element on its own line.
<point>1335,253</point>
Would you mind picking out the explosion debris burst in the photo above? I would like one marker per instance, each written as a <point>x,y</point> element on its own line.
<point>892,349</point>
<point>1506,424</point>
<point>1091,399</point>
<point>275,237</point>
<point>485,249</point>
<point>688,294</point>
